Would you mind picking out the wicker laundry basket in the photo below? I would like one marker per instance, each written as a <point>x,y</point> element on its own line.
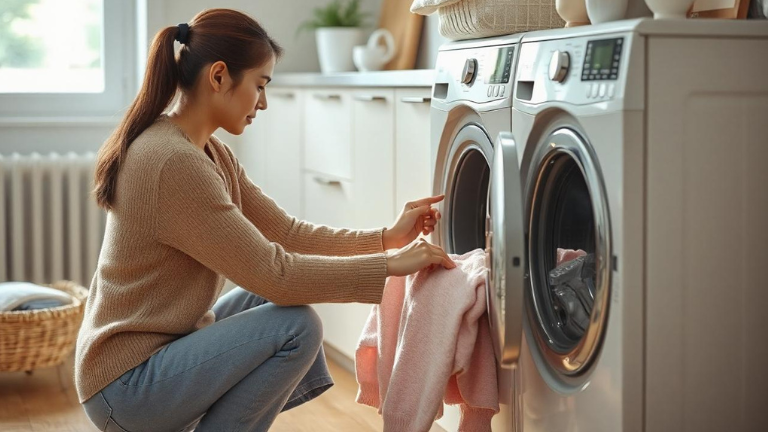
<point>470,19</point>
<point>40,338</point>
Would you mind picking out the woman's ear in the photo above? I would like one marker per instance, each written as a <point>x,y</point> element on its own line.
<point>218,76</point>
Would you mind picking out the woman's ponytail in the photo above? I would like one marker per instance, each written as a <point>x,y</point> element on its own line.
<point>158,89</point>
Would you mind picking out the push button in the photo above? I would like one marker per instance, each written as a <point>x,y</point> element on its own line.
<point>594,91</point>
<point>602,90</point>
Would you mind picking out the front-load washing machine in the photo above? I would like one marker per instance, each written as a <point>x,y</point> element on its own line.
<point>641,143</point>
<point>471,104</point>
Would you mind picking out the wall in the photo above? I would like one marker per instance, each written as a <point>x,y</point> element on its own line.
<point>430,42</point>
<point>280,18</point>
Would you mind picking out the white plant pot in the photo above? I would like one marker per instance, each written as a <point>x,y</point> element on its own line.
<point>601,11</point>
<point>663,9</point>
<point>334,47</point>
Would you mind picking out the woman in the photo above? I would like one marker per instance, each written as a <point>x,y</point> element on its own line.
<point>158,349</point>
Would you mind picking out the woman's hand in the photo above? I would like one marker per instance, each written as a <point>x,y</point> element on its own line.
<point>416,256</point>
<point>417,217</point>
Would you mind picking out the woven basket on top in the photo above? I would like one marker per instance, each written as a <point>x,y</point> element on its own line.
<point>41,338</point>
<point>470,19</point>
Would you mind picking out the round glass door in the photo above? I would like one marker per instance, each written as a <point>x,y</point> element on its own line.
<point>569,252</point>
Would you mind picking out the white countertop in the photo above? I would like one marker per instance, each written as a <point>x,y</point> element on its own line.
<point>397,78</point>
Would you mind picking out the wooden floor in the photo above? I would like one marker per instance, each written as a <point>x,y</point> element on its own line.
<point>46,401</point>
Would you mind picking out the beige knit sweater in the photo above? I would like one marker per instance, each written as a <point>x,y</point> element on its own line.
<point>183,222</point>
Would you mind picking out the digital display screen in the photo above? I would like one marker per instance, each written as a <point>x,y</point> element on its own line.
<point>499,66</point>
<point>602,54</point>
<point>602,59</point>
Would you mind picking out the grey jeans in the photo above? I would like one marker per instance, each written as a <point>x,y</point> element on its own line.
<point>237,374</point>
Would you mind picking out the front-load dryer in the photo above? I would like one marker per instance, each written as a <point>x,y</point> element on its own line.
<point>643,144</point>
<point>471,104</point>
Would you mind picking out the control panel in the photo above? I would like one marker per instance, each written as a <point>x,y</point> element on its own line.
<point>481,74</point>
<point>601,61</point>
<point>579,70</point>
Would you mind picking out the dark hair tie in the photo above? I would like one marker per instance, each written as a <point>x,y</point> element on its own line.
<point>183,34</point>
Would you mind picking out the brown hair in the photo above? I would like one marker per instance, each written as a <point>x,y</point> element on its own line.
<point>213,35</point>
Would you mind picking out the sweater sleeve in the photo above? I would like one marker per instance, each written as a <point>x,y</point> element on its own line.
<point>298,235</point>
<point>196,215</point>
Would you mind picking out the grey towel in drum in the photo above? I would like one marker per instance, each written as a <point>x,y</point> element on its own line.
<point>573,289</point>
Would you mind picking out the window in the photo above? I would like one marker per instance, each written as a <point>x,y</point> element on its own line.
<point>66,58</point>
<point>51,46</point>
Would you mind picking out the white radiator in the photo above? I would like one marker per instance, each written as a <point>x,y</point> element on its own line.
<point>50,225</point>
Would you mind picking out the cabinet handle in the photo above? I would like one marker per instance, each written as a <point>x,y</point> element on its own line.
<point>327,182</point>
<point>369,98</point>
<point>323,96</point>
<point>415,99</point>
<point>286,95</point>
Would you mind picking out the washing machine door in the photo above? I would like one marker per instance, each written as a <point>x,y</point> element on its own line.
<point>505,251</point>
<point>569,253</point>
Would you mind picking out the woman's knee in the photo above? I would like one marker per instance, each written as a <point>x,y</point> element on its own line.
<point>306,323</point>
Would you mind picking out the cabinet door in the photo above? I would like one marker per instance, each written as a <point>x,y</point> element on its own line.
<point>328,200</point>
<point>327,131</point>
<point>412,146</point>
<point>277,146</point>
<point>373,125</point>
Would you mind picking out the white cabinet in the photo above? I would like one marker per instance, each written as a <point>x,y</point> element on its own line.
<point>413,175</point>
<point>373,132</point>
<point>272,148</point>
<point>347,158</point>
<point>328,201</point>
<point>327,129</point>
<point>371,205</point>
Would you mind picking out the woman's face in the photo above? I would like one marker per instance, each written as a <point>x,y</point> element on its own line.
<point>236,108</point>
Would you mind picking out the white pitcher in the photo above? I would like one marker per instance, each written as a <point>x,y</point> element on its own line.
<point>372,56</point>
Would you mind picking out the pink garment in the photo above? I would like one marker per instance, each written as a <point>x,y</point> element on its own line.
<point>565,255</point>
<point>428,342</point>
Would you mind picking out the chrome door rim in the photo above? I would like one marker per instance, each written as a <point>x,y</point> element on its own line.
<point>568,370</point>
<point>471,137</point>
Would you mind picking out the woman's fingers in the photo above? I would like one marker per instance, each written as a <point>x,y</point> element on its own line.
<point>443,257</point>
<point>428,200</point>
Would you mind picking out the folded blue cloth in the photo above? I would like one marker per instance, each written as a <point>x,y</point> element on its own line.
<point>39,304</point>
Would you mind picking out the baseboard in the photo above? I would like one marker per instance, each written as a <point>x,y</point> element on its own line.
<point>338,357</point>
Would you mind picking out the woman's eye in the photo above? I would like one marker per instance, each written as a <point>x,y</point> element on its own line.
<point>261,88</point>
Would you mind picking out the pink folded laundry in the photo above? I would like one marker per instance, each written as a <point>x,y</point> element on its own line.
<point>428,342</point>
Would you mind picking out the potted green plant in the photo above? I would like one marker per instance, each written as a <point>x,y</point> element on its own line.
<point>338,28</point>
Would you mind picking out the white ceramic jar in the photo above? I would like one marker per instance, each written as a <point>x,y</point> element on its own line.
<point>665,9</point>
<point>600,11</point>
<point>574,12</point>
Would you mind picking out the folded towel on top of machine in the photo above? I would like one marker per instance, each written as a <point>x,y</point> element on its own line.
<point>26,296</point>
<point>428,7</point>
<point>429,342</point>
